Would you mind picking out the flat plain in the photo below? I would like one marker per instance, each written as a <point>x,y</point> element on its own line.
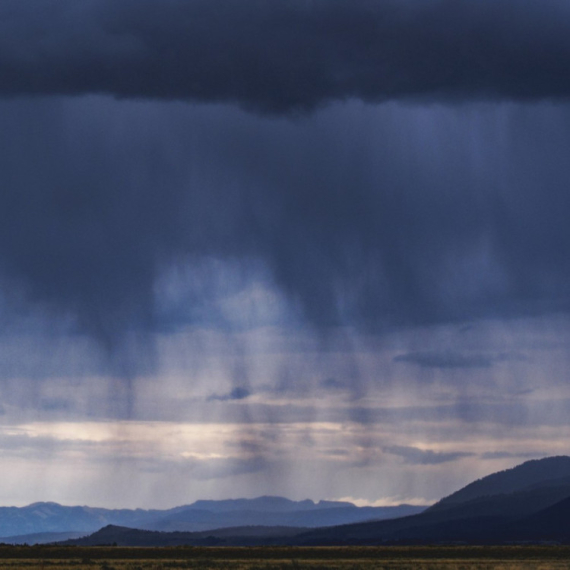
<point>284,558</point>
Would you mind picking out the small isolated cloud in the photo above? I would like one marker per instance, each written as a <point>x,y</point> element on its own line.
<point>451,359</point>
<point>417,456</point>
<point>237,393</point>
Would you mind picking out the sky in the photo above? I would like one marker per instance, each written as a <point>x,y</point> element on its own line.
<point>309,248</point>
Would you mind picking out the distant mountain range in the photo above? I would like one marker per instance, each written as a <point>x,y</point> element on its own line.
<point>529,503</point>
<point>48,522</point>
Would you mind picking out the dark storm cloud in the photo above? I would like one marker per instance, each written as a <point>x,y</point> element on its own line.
<point>286,55</point>
<point>417,456</point>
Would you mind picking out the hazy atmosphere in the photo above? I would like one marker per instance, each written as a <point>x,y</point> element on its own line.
<point>310,248</point>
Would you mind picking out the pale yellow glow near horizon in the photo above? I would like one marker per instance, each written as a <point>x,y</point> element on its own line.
<point>97,462</point>
<point>216,439</point>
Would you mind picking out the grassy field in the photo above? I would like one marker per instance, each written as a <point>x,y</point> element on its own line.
<point>334,558</point>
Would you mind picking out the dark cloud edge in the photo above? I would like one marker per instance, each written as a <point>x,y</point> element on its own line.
<point>287,55</point>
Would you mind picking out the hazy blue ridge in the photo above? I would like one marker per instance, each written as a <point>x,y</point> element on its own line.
<point>199,516</point>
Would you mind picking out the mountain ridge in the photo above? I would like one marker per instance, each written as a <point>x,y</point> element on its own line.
<point>51,517</point>
<point>528,503</point>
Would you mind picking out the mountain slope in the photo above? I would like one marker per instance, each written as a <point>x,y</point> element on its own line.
<point>552,523</point>
<point>530,502</point>
<point>517,504</point>
<point>538,472</point>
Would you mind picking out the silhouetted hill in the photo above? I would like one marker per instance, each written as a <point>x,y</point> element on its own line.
<point>552,523</point>
<point>241,536</point>
<point>538,472</point>
<point>536,508</point>
<point>517,504</point>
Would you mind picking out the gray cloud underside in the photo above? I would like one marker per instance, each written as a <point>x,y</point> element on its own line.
<point>360,215</point>
<point>286,55</point>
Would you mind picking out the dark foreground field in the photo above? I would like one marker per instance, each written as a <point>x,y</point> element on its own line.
<point>334,558</point>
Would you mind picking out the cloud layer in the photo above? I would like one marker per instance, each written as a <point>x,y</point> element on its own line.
<point>123,217</point>
<point>286,55</point>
